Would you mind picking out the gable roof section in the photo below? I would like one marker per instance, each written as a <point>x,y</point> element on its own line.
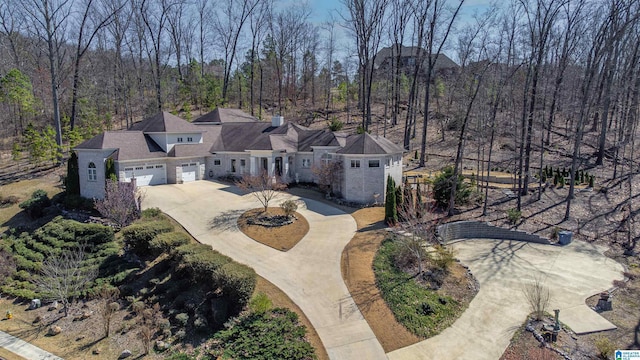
<point>443,61</point>
<point>370,145</point>
<point>221,115</point>
<point>165,122</point>
<point>130,145</point>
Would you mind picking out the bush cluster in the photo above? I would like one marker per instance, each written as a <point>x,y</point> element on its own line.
<point>35,205</point>
<point>138,236</point>
<point>273,334</point>
<point>443,184</point>
<point>164,242</point>
<point>29,250</point>
<point>201,264</point>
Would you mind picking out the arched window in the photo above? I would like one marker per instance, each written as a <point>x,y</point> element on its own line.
<point>92,174</point>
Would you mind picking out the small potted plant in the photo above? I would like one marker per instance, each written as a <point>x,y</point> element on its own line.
<point>9,315</point>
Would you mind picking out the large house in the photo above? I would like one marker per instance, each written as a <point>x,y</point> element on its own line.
<point>165,149</point>
<point>443,66</point>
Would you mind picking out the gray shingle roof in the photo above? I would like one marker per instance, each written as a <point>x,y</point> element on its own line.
<point>221,115</point>
<point>369,144</point>
<point>130,144</point>
<point>443,61</point>
<point>165,122</point>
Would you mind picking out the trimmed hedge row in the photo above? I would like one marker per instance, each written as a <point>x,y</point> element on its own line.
<point>139,235</point>
<point>201,264</point>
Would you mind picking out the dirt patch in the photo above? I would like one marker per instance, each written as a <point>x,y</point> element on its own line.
<point>357,259</point>
<point>281,238</point>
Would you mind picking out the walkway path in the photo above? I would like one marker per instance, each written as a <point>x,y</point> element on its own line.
<point>24,349</point>
<point>572,273</point>
<point>309,273</point>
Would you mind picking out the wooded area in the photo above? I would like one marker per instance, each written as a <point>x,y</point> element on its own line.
<point>536,70</point>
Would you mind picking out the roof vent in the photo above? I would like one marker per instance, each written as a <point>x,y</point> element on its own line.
<point>277,121</point>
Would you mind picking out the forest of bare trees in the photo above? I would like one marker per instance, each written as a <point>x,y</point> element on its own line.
<point>534,70</point>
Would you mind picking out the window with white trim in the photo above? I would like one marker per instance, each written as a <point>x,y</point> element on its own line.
<point>355,163</point>
<point>139,167</point>
<point>189,139</point>
<point>374,163</point>
<point>179,139</point>
<point>326,158</point>
<point>306,163</point>
<point>92,173</point>
<point>233,165</point>
<point>243,162</point>
<point>216,162</point>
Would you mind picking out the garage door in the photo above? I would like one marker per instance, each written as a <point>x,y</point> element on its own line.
<point>146,175</point>
<point>189,172</point>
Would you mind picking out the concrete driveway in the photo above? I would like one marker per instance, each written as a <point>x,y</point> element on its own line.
<point>309,273</point>
<point>572,273</point>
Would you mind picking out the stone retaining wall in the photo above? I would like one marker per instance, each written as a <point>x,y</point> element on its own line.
<point>483,230</point>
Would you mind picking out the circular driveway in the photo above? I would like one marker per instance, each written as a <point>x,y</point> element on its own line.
<point>309,273</point>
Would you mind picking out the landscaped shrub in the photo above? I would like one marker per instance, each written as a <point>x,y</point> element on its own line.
<point>138,236</point>
<point>335,124</point>
<point>166,241</point>
<point>442,185</point>
<point>182,319</point>
<point>36,204</point>
<point>276,334</point>
<point>238,283</point>
<point>72,180</point>
<point>289,207</point>
<point>202,265</point>
<point>514,215</point>
<point>151,213</point>
<point>390,203</point>
<point>260,303</point>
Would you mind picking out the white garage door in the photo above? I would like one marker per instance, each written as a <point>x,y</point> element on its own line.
<point>146,175</point>
<point>189,172</point>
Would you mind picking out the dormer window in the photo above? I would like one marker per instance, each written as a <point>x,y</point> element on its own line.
<point>179,139</point>
<point>189,139</point>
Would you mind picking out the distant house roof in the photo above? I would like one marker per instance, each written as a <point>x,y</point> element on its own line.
<point>130,145</point>
<point>165,122</point>
<point>442,62</point>
<point>221,115</point>
<point>369,144</point>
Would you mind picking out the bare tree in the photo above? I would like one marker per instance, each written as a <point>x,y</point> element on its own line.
<point>91,22</point>
<point>108,306</point>
<point>49,19</point>
<point>263,187</point>
<point>537,296</point>
<point>64,276</point>
<point>258,23</point>
<point>329,175</point>
<point>419,224</point>
<point>367,22</point>
<point>228,25</point>
<point>121,203</point>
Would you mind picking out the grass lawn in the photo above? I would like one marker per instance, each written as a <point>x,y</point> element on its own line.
<point>12,216</point>
<point>281,238</point>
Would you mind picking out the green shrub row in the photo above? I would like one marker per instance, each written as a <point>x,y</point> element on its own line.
<point>201,264</point>
<point>422,311</point>
<point>274,334</point>
<point>138,236</point>
<point>166,241</point>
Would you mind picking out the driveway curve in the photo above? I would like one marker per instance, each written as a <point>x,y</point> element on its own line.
<point>572,273</point>
<point>309,273</point>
